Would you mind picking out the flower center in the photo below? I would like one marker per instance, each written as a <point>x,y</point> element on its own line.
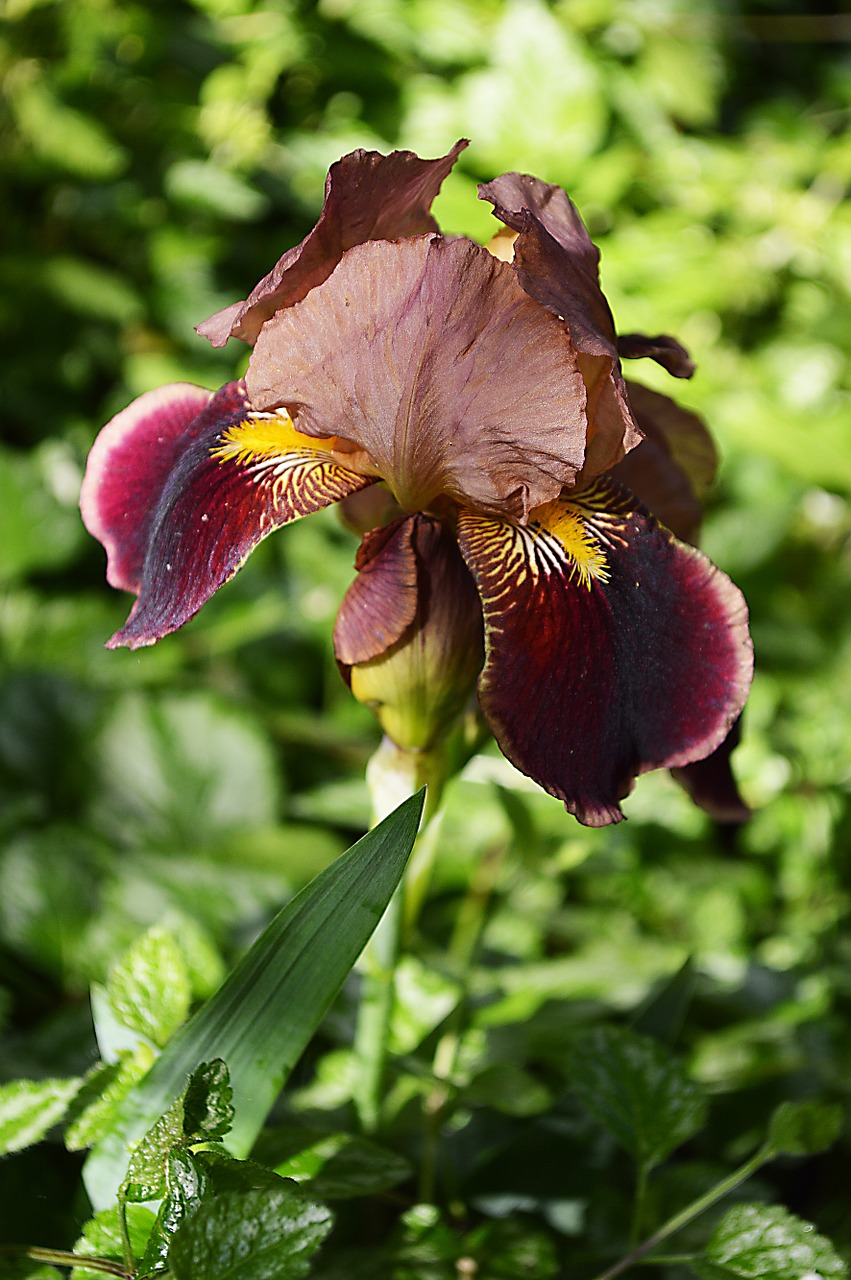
<point>562,520</point>
<point>262,437</point>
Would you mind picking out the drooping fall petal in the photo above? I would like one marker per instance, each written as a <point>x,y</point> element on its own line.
<point>611,647</point>
<point>557,264</point>
<point>128,468</point>
<point>421,683</point>
<point>235,477</point>
<point>368,196</point>
<point>430,356</point>
<point>675,464</point>
<point>711,783</point>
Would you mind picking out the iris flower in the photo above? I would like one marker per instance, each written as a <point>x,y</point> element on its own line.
<point>471,413</point>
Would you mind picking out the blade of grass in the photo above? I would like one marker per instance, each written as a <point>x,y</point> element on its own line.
<point>262,1017</point>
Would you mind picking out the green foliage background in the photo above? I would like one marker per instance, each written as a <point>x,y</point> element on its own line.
<point>156,160</point>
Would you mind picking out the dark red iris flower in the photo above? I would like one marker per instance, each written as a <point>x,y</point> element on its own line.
<point>482,402</point>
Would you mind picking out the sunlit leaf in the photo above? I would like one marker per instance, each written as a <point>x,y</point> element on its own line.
<point>766,1242</point>
<point>254,1235</point>
<point>261,1019</point>
<point>29,1108</point>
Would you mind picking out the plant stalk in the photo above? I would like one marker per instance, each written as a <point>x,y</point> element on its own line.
<point>691,1211</point>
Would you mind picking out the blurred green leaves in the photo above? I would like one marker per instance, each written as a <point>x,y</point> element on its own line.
<point>160,806</point>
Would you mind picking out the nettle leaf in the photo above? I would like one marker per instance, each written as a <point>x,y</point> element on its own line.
<point>804,1128</point>
<point>29,1108</point>
<point>146,1173</point>
<point>254,1235</point>
<point>187,1184</point>
<point>102,1238</point>
<point>224,1173</point>
<point>766,1242</point>
<point>150,989</point>
<point>637,1091</point>
<point>207,1110</point>
<point>201,1113</point>
<point>104,1088</point>
<point>342,1165</point>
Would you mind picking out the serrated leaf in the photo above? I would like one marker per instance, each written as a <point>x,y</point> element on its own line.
<point>186,1186</point>
<point>224,1173</point>
<point>766,1242</point>
<point>341,1165</point>
<point>263,1016</point>
<point>637,1091</point>
<point>29,1108</point>
<point>254,1235</point>
<point>804,1128</point>
<point>146,1172</point>
<point>207,1109</point>
<point>104,1089</point>
<point>149,989</point>
<point>102,1238</point>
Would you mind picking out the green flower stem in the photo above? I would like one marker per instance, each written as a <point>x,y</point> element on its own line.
<point>392,776</point>
<point>378,993</point>
<point>466,935</point>
<point>640,1201</point>
<point>692,1211</point>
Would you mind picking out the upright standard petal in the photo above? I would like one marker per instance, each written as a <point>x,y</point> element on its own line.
<point>368,196</point>
<point>444,371</point>
<point>662,348</point>
<point>557,264</point>
<point>236,477</point>
<point>611,648</point>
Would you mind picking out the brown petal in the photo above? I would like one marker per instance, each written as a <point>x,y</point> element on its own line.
<point>368,196</point>
<point>664,349</point>
<point>556,262</point>
<point>430,356</point>
<point>674,465</point>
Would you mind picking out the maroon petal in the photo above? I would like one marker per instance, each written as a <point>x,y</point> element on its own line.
<point>368,196</point>
<point>611,647</point>
<point>236,476</point>
<point>430,356</point>
<point>711,783</point>
<point>409,633</point>
<point>664,349</point>
<point>128,467</point>
<point>381,603</point>
<point>675,464</point>
<point>557,264</point>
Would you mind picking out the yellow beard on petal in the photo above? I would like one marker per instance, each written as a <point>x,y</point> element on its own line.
<point>564,521</point>
<point>262,437</point>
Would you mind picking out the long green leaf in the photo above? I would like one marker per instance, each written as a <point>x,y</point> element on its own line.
<point>262,1017</point>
